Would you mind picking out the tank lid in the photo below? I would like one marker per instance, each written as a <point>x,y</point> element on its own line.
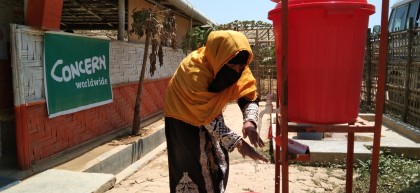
<point>342,4</point>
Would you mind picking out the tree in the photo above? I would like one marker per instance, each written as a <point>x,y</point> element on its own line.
<point>197,37</point>
<point>245,25</point>
<point>159,27</point>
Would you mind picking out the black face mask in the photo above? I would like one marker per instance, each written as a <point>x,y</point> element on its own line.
<point>224,78</point>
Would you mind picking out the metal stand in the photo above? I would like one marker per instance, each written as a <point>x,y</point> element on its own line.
<point>351,128</point>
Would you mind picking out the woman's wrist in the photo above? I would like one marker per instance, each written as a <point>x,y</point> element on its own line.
<point>239,144</point>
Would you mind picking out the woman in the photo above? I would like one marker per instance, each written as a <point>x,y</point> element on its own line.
<point>197,138</point>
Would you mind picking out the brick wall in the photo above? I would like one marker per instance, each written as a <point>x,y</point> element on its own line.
<point>40,137</point>
<point>50,136</point>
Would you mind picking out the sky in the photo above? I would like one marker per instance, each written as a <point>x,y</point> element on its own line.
<point>226,11</point>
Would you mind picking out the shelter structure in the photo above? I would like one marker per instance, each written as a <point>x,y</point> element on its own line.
<point>33,140</point>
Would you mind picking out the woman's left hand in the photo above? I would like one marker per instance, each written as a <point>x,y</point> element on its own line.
<point>249,130</point>
<point>246,150</point>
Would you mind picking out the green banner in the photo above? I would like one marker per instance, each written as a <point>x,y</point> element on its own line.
<point>76,73</point>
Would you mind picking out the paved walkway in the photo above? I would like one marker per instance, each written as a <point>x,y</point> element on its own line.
<point>245,175</point>
<point>249,176</point>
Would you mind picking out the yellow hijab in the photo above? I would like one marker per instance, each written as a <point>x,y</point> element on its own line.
<point>187,98</point>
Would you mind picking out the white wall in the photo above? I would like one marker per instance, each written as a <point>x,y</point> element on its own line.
<point>125,63</point>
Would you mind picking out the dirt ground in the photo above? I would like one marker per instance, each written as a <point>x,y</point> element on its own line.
<point>245,175</point>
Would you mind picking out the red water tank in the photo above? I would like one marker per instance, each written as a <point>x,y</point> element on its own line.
<point>325,58</point>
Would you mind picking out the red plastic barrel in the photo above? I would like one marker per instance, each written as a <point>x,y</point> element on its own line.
<point>325,58</point>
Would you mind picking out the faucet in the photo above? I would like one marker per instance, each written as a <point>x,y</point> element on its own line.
<point>267,110</point>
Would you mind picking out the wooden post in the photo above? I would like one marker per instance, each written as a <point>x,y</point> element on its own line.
<point>369,69</point>
<point>44,14</point>
<point>380,97</point>
<point>407,70</point>
<point>284,96</point>
<point>121,19</point>
<point>350,162</point>
<point>258,61</point>
<point>22,140</point>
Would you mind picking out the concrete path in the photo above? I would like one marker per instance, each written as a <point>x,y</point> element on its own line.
<point>60,181</point>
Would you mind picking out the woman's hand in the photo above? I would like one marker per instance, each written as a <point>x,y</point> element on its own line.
<point>246,150</point>
<point>249,130</point>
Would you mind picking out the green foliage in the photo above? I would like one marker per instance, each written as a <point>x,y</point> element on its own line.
<point>396,174</point>
<point>270,53</point>
<point>197,37</point>
<point>244,25</point>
